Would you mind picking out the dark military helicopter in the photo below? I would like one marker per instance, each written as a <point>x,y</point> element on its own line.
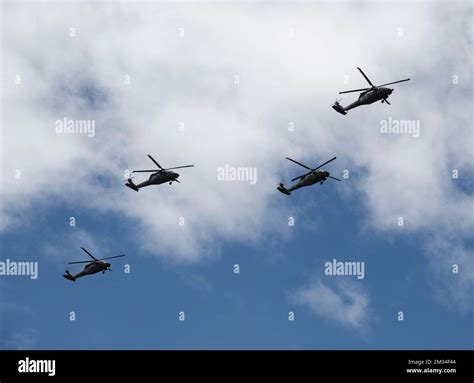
<point>158,177</point>
<point>313,176</point>
<point>92,267</point>
<point>368,95</point>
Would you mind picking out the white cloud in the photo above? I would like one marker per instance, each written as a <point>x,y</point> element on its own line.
<point>346,304</point>
<point>61,248</point>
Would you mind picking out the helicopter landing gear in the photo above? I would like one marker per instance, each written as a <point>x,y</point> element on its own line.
<point>171,182</point>
<point>321,182</point>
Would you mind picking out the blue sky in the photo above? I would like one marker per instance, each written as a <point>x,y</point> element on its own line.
<point>290,66</point>
<point>225,310</point>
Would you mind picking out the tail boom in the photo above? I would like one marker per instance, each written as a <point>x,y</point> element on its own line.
<point>68,276</point>
<point>339,108</point>
<point>283,189</point>
<point>131,185</point>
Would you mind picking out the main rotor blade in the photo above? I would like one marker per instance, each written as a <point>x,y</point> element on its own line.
<point>334,178</point>
<point>89,254</point>
<point>363,74</point>
<point>299,177</point>
<point>355,90</point>
<point>70,263</point>
<point>156,163</point>
<point>395,82</point>
<point>296,162</point>
<point>145,171</point>
<point>327,162</point>
<point>179,167</point>
<point>115,256</point>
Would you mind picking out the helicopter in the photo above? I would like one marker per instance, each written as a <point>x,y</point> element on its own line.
<point>313,176</point>
<point>92,267</point>
<point>368,95</point>
<point>159,176</point>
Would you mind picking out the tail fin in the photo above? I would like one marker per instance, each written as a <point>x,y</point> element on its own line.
<point>68,275</point>
<point>131,185</point>
<point>338,108</point>
<point>283,189</point>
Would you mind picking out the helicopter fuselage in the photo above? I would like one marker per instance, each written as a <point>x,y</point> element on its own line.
<point>96,267</point>
<point>89,269</point>
<point>370,96</point>
<point>159,178</point>
<point>310,179</point>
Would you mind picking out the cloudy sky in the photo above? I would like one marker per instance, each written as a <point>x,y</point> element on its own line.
<point>240,85</point>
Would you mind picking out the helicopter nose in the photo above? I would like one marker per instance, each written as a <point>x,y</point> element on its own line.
<point>390,91</point>
<point>176,175</point>
<point>107,265</point>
